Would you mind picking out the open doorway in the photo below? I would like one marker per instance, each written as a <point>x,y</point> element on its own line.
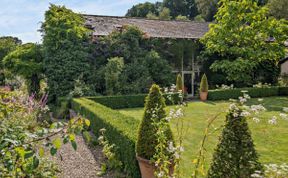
<point>188,83</point>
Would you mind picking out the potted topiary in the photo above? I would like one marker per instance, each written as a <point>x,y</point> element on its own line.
<point>204,88</point>
<point>147,139</point>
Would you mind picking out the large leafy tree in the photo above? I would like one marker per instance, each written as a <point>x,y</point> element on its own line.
<point>278,8</point>
<point>207,8</point>
<point>7,44</point>
<point>66,56</point>
<point>26,61</point>
<point>244,37</point>
<point>142,10</point>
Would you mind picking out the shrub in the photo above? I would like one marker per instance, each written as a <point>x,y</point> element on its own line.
<point>235,155</point>
<point>130,101</point>
<point>179,83</point>
<point>283,91</point>
<point>120,130</point>
<point>235,93</point>
<point>113,70</point>
<point>204,84</point>
<point>154,112</point>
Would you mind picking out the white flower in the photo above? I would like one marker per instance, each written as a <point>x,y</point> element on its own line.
<point>285,109</point>
<point>273,120</point>
<point>255,119</point>
<point>245,114</point>
<point>283,116</point>
<point>260,99</point>
<point>168,118</point>
<point>242,99</point>
<point>160,174</point>
<point>181,149</point>
<point>235,114</point>
<point>171,147</point>
<point>246,96</point>
<point>177,156</point>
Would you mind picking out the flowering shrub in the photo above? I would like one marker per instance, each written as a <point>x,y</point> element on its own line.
<point>225,87</point>
<point>23,140</point>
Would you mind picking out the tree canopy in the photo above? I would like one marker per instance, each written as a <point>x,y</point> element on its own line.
<point>243,37</point>
<point>27,61</point>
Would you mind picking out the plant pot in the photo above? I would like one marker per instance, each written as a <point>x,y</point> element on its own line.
<point>147,169</point>
<point>203,96</point>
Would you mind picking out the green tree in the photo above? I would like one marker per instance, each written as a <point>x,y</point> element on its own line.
<point>7,44</point>
<point>278,8</point>
<point>27,61</point>
<point>113,70</point>
<point>242,39</point>
<point>177,7</point>
<point>142,10</point>
<point>207,9</point>
<point>165,14</point>
<point>154,112</point>
<point>65,47</point>
<point>235,155</point>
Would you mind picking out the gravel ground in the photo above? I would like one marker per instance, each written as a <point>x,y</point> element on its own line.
<point>85,162</point>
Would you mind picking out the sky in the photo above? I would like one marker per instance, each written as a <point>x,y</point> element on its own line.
<point>22,18</point>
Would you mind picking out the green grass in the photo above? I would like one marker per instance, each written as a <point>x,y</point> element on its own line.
<point>271,140</point>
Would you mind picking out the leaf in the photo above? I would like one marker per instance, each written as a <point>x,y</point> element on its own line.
<point>71,137</point>
<point>53,151</point>
<point>35,162</point>
<point>87,122</point>
<point>41,152</point>
<point>57,143</point>
<point>87,136</point>
<point>66,139</point>
<point>74,145</point>
<point>28,154</point>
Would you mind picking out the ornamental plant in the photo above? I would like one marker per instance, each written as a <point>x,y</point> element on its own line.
<point>235,155</point>
<point>153,113</point>
<point>179,83</point>
<point>204,84</point>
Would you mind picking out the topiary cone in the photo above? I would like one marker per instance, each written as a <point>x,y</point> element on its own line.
<point>204,88</point>
<point>179,83</point>
<point>147,139</point>
<point>235,155</point>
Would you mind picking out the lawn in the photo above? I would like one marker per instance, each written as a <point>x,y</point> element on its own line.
<point>271,140</point>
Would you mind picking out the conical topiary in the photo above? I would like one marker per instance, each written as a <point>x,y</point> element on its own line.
<point>153,112</point>
<point>235,155</point>
<point>179,83</point>
<point>204,84</point>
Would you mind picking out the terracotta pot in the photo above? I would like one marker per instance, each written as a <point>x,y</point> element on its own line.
<point>203,96</point>
<point>147,169</point>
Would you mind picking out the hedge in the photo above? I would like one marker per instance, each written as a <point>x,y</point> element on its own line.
<point>121,129</point>
<point>253,92</point>
<point>129,101</point>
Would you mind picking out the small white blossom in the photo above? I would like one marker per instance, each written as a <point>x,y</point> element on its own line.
<point>283,116</point>
<point>235,114</point>
<point>160,174</point>
<point>260,99</point>
<point>273,120</point>
<point>171,147</point>
<point>177,155</point>
<point>181,149</point>
<point>255,119</point>
<point>245,114</point>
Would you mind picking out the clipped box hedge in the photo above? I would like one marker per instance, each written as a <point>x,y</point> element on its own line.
<point>252,92</point>
<point>129,101</point>
<point>120,129</point>
<point>283,91</point>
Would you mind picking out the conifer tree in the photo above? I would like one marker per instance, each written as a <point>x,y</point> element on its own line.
<point>179,83</point>
<point>204,84</point>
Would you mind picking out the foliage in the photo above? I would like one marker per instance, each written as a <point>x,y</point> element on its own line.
<point>207,9</point>
<point>142,65</point>
<point>165,14</point>
<point>278,8</point>
<point>204,84</point>
<point>112,162</point>
<point>113,70</point>
<point>120,131</point>
<point>27,61</point>
<point>179,83</point>
<point>235,93</point>
<point>131,101</point>
<point>235,155</point>
<point>23,140</point>
<point>153,113</point>
<point>141,10</point>
<point>243,40</point>
<point>66,57</point>
<point>7,44</point>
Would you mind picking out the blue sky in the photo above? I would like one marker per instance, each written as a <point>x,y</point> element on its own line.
<point>21,18</point>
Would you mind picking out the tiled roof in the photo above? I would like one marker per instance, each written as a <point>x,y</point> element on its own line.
<point>104,25</point>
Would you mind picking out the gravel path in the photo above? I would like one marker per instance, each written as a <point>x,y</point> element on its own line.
<point>85,162</point>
